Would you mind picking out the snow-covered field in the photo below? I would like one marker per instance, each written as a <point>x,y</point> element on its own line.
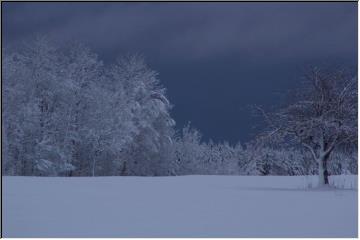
<point>189,206</point>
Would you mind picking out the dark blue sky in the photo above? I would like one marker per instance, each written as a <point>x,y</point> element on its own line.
<point>215,59</point>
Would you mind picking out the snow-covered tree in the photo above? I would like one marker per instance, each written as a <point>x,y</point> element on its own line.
<point>323,118</point>
<point>266,160</point>
<point>149,127</point>
<point>194,156</point>
<point>65,113</point>
<point>189,153</point>
<point>33,103</point>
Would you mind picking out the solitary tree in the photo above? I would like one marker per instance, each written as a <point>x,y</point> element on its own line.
<point>323,117</point>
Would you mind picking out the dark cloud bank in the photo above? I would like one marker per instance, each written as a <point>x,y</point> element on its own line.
<point>214,58</point>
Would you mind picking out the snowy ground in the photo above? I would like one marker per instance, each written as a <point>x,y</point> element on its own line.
<point>189,206</point>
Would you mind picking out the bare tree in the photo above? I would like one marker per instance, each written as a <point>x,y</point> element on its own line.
<point>323,117</point>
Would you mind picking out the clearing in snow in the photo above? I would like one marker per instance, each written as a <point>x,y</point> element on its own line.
<point>187,206</point>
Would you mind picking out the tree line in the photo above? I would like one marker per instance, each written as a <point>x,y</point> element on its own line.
<point>66,113</point>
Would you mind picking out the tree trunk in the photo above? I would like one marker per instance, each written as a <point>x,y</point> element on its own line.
<point>326,172</point>
<point>93,166</point>
<point>321,173</point>
<point>96,154</point>
<point>323,170</point>
<point>124,170</point>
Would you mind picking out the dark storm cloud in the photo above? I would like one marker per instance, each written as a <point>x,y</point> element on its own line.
<point>214,58</point>
<point>193,30</point>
